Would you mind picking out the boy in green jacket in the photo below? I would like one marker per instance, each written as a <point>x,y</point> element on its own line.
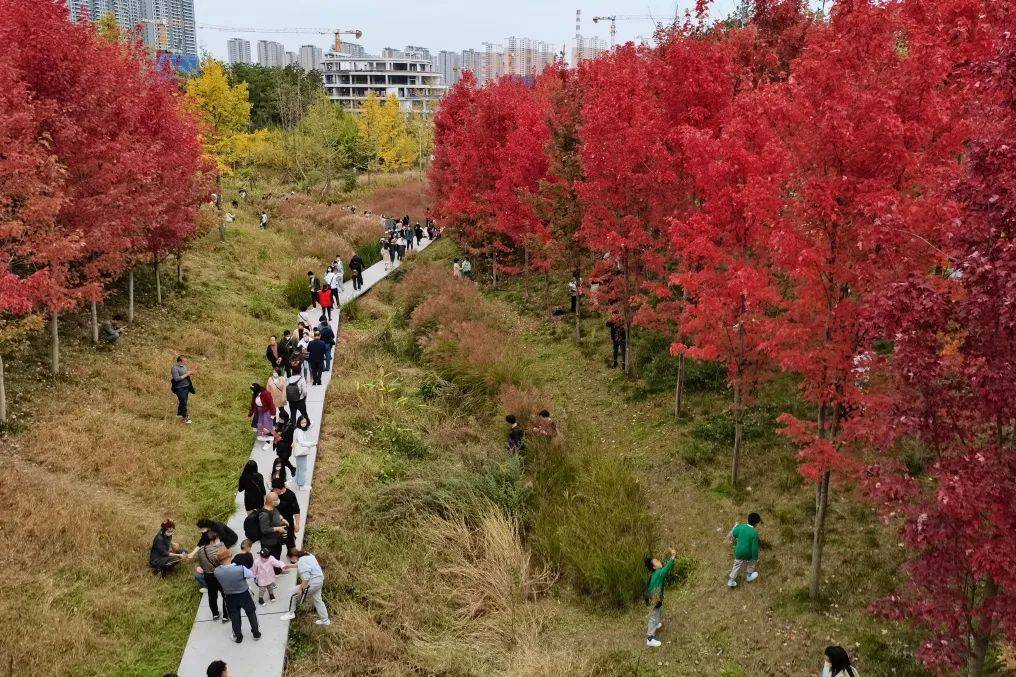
<point>658,573</point>
<point>745,540</point>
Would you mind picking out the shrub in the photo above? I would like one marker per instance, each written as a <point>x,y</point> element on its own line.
<point>398,439</point>
<point>704,376</point>
<point>296,292</point>
<point>476,357</point>
<point>263,304</point>
<point>592,522</point>
<point>350,311</point>
<point>370,252</point>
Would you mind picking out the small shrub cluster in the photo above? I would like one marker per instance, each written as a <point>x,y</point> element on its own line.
<point>296,292</point>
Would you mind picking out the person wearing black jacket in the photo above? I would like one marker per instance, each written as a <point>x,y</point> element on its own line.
<point>356,268</point>
<point>618,339</point>
<point>286,349</point>
<point>226,535</point>
<point>289,508</point>
<point>328,336</point>
<point>252,485</point>
<point>316,351</point>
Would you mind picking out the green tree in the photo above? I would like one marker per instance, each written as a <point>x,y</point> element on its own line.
<point>279,97</point>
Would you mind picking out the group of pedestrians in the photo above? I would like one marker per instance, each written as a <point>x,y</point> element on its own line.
<point>399,238</point>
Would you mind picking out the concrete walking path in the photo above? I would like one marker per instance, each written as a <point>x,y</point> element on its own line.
<point>212,640</point>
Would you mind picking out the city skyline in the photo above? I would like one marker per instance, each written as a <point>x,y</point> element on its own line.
<point>443,25</point>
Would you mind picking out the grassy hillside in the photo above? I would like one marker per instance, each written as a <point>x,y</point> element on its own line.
<point>95,459</point>
<point>445,557</point>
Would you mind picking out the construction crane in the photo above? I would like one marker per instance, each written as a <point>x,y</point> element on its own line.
<point>338,33</point>
<point>613,19</point>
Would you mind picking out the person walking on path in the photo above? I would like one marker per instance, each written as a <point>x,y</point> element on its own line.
<point>356,270</point>
<point>165,555</point>
<point>272,526</point>
<point>182,385</point>
<point>264,575</point>
<point>340,276</point>
<point>745,540</point>
<point>208,559</point>
<point>286,349</point>
<point>400,246</point>
<point>296,395</point>
<point>312,581</point>
<point>262,412</point>
<point>658,573</point>
<point>283,441</point>
<point>385,253</point>
<point>289,508</point>
<point>328,336</point>
<point>326,301</point>
<point>837,663</point>
<point>315,286</point>
<point>301,439</point>
<point>418,231</point>
<point>393,251</point>
<point>252,486</point>
<point>276,387</point>
<point>316,351</point>
<point>232,578</point>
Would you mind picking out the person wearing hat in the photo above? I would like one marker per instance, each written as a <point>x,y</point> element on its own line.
<point>745,540</point>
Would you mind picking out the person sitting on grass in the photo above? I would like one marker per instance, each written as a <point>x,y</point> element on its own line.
<point>658,573</point>
<point>745,540</point>
<point>545,426</point>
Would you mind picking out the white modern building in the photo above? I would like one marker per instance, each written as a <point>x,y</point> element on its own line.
<point>311,57</point>
<point>239,50</point>
<point>348,80</point>
<point>271,54</point>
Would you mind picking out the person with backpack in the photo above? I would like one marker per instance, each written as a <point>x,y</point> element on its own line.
<point>271,525</point>
<point>658,572</point>
<point>296,395</point>
<point>356,269</point>
<point>745,540</point>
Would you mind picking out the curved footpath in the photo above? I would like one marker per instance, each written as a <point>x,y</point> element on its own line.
<point>266,657</point>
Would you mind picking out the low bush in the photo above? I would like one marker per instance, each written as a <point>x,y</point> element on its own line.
<point>296,292</point>
<point>370,252</point>
<point>263,304</point>
<point>397,439</point>
<point>476,357</point>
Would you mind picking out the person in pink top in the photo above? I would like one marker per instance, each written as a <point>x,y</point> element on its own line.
<point>265,570</point>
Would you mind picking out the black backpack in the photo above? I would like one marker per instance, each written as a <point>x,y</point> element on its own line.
<point>293,391</point>
<point>252,525</point>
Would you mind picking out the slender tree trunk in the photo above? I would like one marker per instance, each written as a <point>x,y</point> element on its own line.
<point>627,346</point>
<point>578,318</point>
<point>130,295</point>
<point>158,282</point>
<point>3,393</point>
<point>95,324</point>
<point>818,538</point>
<point>735,465</point>
<point>980,639</point>
<point>679,388</point>
<point>54,330</point>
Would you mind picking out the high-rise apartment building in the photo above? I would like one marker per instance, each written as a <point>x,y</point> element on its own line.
<point>588,48</point>
<point>271,54</point>
<point>449,65</point>
<point>353,49</point>
<point>239,50</point>
<point>311,57</point>
<point>524,56</point>
<point>472,61</point>
<point>165,25</point>
<point>292,59</point>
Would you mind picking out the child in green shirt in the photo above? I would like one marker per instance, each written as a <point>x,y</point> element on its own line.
<point>745,540</point>
<point>658,573</point>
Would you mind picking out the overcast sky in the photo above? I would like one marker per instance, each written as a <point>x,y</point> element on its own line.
<point>435,24</point>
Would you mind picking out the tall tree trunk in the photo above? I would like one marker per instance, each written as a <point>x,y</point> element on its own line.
<point>818,538</point>
<point>627,346</point>
<point>95,323</point>
<point>158,282</point>
<point>3,393</point>
<point>679,388</point>
<point>54,331</point>
<point>130,295</point>
<point>578,318</point>
<point>980,638</point>
<point>735,465</point>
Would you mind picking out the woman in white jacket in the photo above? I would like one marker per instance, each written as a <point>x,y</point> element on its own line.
<point>303,445</point>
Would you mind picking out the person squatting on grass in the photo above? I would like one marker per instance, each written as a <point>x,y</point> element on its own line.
<point>165,555</point>
<point>745,540</point>
<point>658,573</point>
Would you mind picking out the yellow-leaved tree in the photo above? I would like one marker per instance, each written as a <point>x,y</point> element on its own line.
<point>226,112</point>
<point>384,136</point>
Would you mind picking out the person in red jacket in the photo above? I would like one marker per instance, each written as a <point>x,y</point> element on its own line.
<point>325,299</point>
<point>262,412</point>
